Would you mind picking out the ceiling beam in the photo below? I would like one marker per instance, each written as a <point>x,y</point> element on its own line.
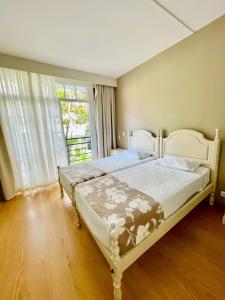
<point>173,15</point>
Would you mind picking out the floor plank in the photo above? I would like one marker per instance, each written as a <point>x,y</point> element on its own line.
<point>43,256</point>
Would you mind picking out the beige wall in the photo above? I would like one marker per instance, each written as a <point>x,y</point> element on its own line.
<point>13,62</point>
<point>183,87</point>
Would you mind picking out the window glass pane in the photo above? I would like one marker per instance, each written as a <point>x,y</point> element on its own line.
<point>76,119</point>
<point>76,125</point>
<point>81,92</point>
<point>70,91</point>
<point>60,91</point>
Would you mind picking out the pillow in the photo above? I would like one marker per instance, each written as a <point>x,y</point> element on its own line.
<point>178,163</point>
<point>144,154</point>
<point>135,154</point>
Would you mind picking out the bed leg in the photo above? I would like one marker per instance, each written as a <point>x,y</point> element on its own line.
<point>212,199</point>
<point>61,188</point>
<point>117,276</point>
<point>115,257</point>
<point>78,224</point>
<point>77,217</point>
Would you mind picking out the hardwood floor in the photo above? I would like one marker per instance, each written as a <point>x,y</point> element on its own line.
<point>43,256</point>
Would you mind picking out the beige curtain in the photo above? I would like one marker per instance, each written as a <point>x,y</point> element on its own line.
<point>105,119</point>
<point>6,173</point>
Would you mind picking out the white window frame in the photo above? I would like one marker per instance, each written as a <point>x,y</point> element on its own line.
<point>90,102</point>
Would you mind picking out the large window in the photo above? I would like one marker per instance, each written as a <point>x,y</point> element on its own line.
<point>75,106</point>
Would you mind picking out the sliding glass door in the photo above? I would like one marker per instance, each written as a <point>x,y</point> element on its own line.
<point>75,107</point>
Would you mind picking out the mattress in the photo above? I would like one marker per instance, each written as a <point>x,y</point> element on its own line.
<point>170,187</point>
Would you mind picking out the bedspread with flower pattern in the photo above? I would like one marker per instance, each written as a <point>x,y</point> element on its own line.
<point>73,175</point>
<point>133,214</point>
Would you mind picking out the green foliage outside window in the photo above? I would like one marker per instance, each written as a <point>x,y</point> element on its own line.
<point>75,116</point>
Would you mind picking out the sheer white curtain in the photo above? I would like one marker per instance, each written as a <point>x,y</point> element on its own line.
<point>105,119</point>
<point>31,123</point>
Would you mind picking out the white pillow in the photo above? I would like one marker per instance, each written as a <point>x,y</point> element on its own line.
<point>178,163</point>
<point>135,154</point>
<point>144,154</point>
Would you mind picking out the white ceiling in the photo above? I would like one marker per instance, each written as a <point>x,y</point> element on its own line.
<point>108,37</point>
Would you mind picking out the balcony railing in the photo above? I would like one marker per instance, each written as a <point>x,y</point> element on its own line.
<point>79,149</point>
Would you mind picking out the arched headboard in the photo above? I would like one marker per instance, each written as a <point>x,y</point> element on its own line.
<point>144,140</point>
<point>193,145</point>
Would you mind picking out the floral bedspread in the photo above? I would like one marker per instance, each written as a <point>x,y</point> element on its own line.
<point>73,175</point>
<point>130,212</point>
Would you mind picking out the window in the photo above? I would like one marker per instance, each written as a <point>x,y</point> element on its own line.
<point>75,106</point>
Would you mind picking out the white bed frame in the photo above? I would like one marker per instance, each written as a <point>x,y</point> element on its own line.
<point>144,140</point>
<point>184,143</point>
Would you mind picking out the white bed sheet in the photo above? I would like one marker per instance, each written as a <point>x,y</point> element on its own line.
<point>117,162</point>
<point>171,188</point>
<point>108,165</point>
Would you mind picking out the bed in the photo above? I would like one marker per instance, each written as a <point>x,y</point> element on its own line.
<point>140,140</point>
<point>166,194</point>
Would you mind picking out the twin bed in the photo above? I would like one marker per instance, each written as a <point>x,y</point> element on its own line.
<point>130,205</point>
<point>143,140</point>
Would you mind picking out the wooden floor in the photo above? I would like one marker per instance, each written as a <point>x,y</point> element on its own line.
<point>43,256</point>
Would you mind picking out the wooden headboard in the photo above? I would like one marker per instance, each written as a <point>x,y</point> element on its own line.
<point>193,145</point>
<point>144,140</point>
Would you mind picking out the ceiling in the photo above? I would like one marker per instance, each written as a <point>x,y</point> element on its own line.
<point>108,37</point>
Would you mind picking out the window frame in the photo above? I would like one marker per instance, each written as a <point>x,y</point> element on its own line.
<point>88,101</point>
